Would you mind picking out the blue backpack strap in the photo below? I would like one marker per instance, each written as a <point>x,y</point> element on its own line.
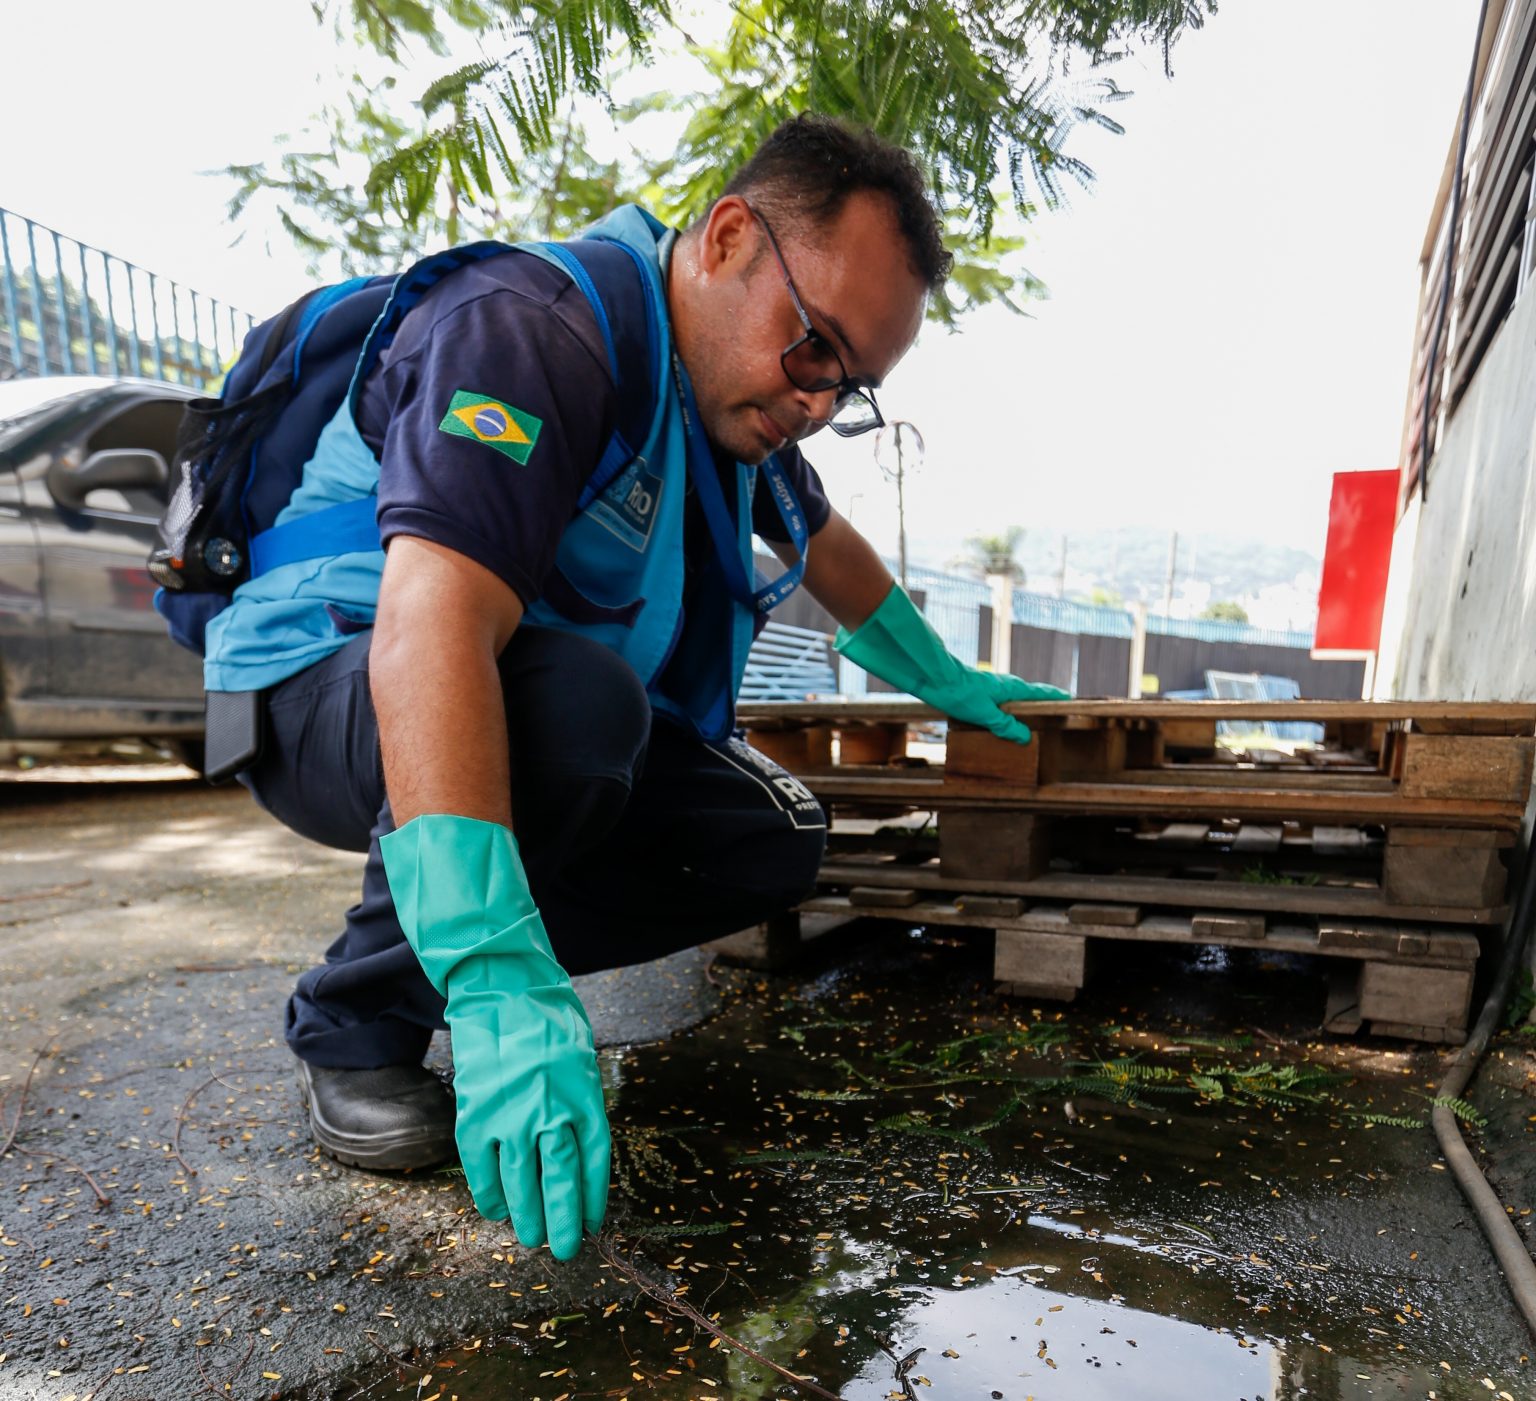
<point>342,529</point>
<point>626,310</point>
<point>409,288</point>
<point>352,526</point>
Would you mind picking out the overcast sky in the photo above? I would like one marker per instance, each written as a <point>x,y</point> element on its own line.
<point>1231,302</point>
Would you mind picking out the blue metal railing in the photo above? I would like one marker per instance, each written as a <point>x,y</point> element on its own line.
<point>71,309</point>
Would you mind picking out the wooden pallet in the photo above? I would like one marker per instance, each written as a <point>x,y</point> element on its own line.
<point>1428,763</point>
<point>1382,851</point>
<point>1444,875</point>
<point>1400,980</point>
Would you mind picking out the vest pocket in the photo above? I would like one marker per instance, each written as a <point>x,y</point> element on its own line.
<point>569,601</point>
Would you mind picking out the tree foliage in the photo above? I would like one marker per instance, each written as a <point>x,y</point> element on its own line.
<point>1226,610</point>
<point>984,92</point>
<point>996,554</point>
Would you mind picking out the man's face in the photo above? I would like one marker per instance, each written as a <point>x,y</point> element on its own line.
<point>856,286</point>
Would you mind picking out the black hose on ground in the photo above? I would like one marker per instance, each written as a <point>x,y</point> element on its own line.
<point>1514,1259</point>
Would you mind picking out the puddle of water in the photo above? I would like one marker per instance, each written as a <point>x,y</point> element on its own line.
<point>1049,1206</point>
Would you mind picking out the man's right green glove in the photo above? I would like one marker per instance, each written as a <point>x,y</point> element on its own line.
<point>532,1132</point>
<point>897,644</point>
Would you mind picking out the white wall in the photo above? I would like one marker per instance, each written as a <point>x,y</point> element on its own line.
<point>1466,629</point>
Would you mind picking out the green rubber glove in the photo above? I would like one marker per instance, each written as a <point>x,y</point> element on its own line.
<point>532,1133</point>
<point>897,644</point>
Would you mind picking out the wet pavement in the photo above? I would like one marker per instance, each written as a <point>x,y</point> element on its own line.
<point>874,1173</point>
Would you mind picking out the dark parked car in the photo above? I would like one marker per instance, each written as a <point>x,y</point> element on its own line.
<point>83,654</point>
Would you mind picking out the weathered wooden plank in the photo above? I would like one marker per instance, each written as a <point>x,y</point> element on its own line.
<point>1475,725</point>
<point>1444,875</point>
<point>1188,733</point>
<point>1320,711</point>
<point>1403,994</point>
<point>1346,903</point>
<point>981,756</point>
<point>991,906</point>
<point>1145,746</point>
<point>787,748</point>
<point>1297,779</point>
<point>871,744</point>
<point>818,746</point>
<point>1122,916</point>
<point>1407,1031</point>
<point>1041,965</point>
<point>1357,940</point>
<point>1448,836</point>
<point>880,897</point>
<point>1493,768</point>
<point>902,790</point>
<point>993,845</point>
<point>1221,928</point>
<point>1093,755</point>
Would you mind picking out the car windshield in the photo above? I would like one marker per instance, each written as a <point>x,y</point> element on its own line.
<point>24,401</point>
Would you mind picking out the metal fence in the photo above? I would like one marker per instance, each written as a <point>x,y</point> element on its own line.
<point>957,604</point>
<point>1093,620</point>
<point>70,309</point>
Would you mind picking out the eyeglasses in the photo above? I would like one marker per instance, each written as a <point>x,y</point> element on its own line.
<point>813,364</point>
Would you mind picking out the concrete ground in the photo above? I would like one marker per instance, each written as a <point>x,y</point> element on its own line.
<point>168,1231</point>
<point>165,1223</point>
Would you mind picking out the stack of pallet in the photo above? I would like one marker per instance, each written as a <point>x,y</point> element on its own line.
<point>1384,848</point>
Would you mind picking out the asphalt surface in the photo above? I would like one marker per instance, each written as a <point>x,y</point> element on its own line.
<point>168,1231</point>
<point>165,1224</point>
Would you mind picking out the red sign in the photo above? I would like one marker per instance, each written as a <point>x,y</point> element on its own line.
<point>1361,516</point>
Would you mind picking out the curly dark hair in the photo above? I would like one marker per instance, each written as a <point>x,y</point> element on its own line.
<point>805,171</point>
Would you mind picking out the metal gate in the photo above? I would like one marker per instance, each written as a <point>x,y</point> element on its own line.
<point>69,309</point>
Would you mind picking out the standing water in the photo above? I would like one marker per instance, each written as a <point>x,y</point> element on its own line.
<point>892,1183</point>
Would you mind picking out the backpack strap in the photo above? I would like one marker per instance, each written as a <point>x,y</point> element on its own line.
<point>345,528</point>
<point>637,397</point>
<point>352,526</point>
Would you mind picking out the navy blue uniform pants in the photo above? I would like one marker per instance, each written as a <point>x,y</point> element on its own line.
<point>638,838</point>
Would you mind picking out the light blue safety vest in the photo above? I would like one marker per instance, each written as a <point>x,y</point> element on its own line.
<point>618,575</point>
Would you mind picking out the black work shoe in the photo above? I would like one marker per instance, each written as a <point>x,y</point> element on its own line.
<point>389,1119</point>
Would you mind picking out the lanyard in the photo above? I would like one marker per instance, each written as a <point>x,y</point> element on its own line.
<point>722,530</point>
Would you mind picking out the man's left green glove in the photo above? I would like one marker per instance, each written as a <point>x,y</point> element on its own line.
<point>532,1131</point>
<point>897,644</point>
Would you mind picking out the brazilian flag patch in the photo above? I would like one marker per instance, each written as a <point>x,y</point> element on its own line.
<point>510,431</point>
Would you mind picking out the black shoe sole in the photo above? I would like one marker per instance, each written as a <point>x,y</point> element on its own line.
<point>397,1152</point>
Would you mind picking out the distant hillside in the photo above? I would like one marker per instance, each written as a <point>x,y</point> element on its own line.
<point>1134,562</point>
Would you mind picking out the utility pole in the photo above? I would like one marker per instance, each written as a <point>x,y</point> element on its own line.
<point>1173,562</point>
<point>1061,573</point>
<point>900,430</point>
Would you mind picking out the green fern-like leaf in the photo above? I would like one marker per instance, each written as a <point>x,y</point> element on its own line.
<point>709,1228</point>
<point>809,1155</point>
<point>1464,1111</point>
<point>1392,1121</point>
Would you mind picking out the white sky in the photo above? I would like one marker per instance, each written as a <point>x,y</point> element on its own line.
<point>1232,300</point>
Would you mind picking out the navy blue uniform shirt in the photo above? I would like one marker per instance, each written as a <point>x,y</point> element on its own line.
<point>513,344</point>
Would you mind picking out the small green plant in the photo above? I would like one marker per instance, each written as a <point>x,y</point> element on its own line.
<point>1262,875</point>
<point>1521,1001</point>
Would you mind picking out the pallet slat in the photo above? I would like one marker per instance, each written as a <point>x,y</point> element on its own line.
<point>1161,891</point>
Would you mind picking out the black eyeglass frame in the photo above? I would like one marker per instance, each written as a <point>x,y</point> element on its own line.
<point>847,388</point>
